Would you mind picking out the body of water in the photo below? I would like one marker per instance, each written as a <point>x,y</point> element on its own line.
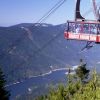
<point>38,84</point>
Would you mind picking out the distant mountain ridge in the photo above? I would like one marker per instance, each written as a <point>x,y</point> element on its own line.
<point>30,49</point>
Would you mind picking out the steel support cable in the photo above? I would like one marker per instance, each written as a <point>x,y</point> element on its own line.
<point>96,13</point>
<point>51,12</point>
<point>90,10</point>
<point>95,8</point>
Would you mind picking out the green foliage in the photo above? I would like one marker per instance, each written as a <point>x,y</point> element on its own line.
<point>89,91</point>
<point>76,90</point>
<point>4,95</point>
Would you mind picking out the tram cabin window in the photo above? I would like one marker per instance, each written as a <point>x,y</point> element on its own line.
<point>78,28</point>
<point>71,27</point>
<point>93,28</point>
<point>86,28</point>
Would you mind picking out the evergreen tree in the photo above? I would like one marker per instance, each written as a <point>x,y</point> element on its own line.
<point>82,72</point>
<point>4,95</point>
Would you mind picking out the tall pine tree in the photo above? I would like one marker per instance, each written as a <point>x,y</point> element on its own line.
<point>4,94</point>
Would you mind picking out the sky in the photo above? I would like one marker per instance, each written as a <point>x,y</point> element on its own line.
<point>30,11</point>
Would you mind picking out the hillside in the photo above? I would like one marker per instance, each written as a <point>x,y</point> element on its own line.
<point>30,49</point>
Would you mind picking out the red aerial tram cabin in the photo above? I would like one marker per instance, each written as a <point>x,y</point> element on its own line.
<point>81,29</point>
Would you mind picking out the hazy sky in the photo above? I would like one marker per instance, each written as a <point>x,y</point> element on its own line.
<point>30,11</point>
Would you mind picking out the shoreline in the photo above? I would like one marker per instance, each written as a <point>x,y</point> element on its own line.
<point>47,73</point>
